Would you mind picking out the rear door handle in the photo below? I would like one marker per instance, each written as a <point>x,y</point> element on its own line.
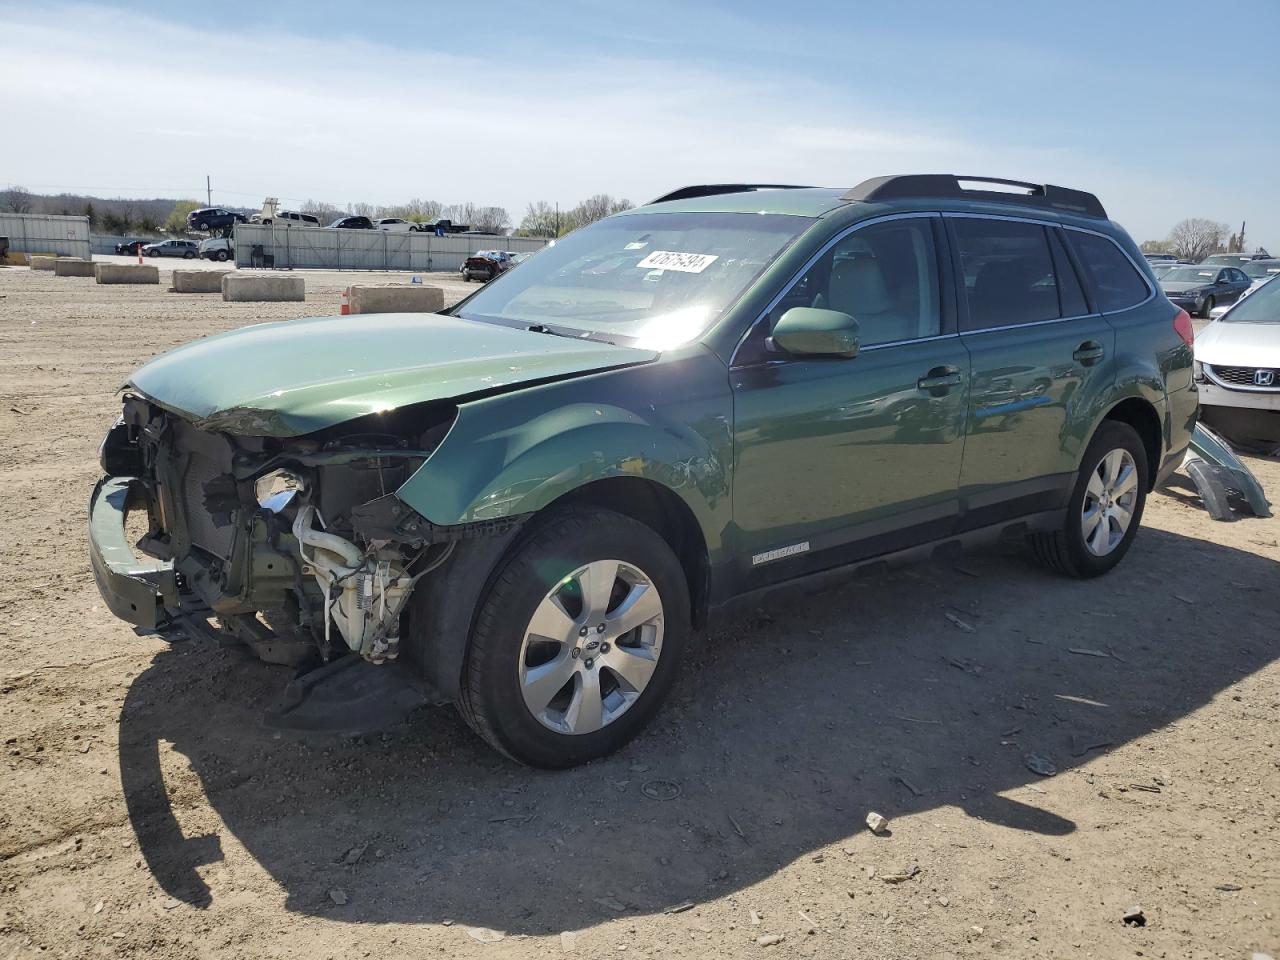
<point>1089,352</point>
<point>939,380</point>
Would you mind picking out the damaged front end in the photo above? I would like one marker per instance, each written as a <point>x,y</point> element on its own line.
<point>294,546</point>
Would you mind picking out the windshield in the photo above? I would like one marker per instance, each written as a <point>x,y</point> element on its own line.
<point>1261,306</point>
<point>1260,269</point>
<point>1160,269</point>
<point>657,280</point>
<point>1190,275</point>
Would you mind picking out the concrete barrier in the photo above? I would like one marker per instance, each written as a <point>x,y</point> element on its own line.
<point>198,281</point>
<point>15,259</point>
<point>248,287</point>
<point>43,263</point>
<point>404,298</point>
<point>72,267</point>
<point>126,273</point>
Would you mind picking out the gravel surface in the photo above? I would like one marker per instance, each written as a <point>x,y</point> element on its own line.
<point>145,812</point>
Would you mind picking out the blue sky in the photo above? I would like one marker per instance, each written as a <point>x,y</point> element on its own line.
<point>1165,110</point>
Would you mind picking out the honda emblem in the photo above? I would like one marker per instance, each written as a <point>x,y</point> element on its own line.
<point>1264,378</point>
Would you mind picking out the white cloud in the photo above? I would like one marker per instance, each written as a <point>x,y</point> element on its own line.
<point>91,102</point>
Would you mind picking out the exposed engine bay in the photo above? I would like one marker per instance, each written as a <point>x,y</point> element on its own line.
<point>297,547</point>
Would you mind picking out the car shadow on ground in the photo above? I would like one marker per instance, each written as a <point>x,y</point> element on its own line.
<point>898,692</point>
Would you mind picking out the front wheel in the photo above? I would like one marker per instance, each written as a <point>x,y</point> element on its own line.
<point>221,255</point>
<point>1209,304</point>
<point>577,641</point>
<point>1105,508</point>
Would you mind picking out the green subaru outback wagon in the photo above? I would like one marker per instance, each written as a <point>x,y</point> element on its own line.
<point>526,504</point>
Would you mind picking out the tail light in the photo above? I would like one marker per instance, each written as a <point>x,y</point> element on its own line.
<point>1182,325</point>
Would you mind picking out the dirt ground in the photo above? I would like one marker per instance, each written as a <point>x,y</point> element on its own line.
<point>145,812</point>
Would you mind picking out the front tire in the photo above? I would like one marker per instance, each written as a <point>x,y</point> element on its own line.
<point>1209,304</point>
<point>1105,508</point>
<point>577,641</point>
<point>221,256</point>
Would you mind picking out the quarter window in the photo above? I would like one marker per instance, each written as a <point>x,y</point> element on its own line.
<point>1117,285</point>
<point>1008,272</point>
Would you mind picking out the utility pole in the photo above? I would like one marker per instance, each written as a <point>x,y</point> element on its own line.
<point>208,191</point>
<point>1241,249</point>
<point>557,218</point>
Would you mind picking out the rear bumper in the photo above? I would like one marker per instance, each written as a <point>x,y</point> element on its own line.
<point>135,588</point>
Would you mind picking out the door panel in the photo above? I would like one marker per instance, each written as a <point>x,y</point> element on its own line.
<point>1039,369</point>
<point>836,453</point>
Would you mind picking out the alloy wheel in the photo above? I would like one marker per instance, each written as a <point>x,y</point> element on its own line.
<point>1109,502</point>
<point>591,647</point>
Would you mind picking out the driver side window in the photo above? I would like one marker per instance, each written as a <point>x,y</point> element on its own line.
<point>884,275</point>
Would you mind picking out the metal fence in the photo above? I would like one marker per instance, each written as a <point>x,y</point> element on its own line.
<point>46,233</point>
<point>288,247</point>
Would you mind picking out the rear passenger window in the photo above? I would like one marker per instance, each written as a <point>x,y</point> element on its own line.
<point>1117,285</point>
<point>1008,271</point>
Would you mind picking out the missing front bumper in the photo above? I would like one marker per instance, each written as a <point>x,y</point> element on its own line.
<point>136,589</point>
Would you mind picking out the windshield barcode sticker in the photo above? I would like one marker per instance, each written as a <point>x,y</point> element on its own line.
<point>683,262</point>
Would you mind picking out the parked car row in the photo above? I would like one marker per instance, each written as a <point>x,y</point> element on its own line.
<point>1213,284</point>
<point>398,225</point>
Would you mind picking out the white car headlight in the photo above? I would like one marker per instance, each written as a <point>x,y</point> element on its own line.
<point>276,490</point>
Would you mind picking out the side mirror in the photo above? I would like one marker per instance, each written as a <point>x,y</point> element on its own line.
<point>813,332</point>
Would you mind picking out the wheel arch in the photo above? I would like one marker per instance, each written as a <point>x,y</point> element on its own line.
<point>1146,421</point>
<point>660,509</point>
<point>442,610</point>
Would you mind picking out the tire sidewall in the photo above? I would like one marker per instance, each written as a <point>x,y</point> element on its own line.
<point>562,545</point>
<point>1112,435</point>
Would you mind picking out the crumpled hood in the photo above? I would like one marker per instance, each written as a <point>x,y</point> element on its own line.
<point>1239,344</point>
<point>297,376</point>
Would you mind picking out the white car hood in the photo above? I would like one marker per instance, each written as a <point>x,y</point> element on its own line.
<point>1239,344</point>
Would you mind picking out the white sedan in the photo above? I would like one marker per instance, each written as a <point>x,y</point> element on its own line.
<point>395,225</point>
<point>1237,362</point>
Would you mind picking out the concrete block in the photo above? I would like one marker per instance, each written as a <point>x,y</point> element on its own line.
<point>43,263</point>
<point>15,259</point>
<point>72,267</point>
<point>198,281</point>
<point>252,287</point>
<point>126,273</point>
<point>404,298</point>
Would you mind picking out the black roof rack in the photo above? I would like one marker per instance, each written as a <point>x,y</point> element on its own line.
<point>715,189</point>
<point>1043,195</point>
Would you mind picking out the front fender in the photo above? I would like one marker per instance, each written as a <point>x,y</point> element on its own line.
<point>513,454</point>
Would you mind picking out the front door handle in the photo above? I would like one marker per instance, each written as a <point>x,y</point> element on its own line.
<point>939,380</point>
<point>1089,353</point>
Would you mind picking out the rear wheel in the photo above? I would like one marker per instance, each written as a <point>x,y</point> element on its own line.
<point>577,641</point>
<point>1105,508</point>
<point>188,255</point>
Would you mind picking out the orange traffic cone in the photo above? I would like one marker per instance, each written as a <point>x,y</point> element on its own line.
<point>344,303</point>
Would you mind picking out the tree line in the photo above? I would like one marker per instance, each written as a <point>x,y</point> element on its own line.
<point>1196,238</point>
<point>120,216</point>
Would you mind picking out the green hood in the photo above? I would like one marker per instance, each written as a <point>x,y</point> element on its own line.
<point>297,376</point>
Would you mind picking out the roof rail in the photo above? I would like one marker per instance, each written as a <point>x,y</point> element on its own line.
<point>715,189</point>
<point>1044,195</point>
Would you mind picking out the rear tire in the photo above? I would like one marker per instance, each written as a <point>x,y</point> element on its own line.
<point>1079,549</point>
<point>613,681</point>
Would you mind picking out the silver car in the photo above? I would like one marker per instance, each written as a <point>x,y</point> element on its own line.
<point>187,249</point>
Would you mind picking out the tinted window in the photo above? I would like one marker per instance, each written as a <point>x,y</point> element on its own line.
<point>1071,302</point>
<point>1008,272</point>
<point>1116,282</point>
